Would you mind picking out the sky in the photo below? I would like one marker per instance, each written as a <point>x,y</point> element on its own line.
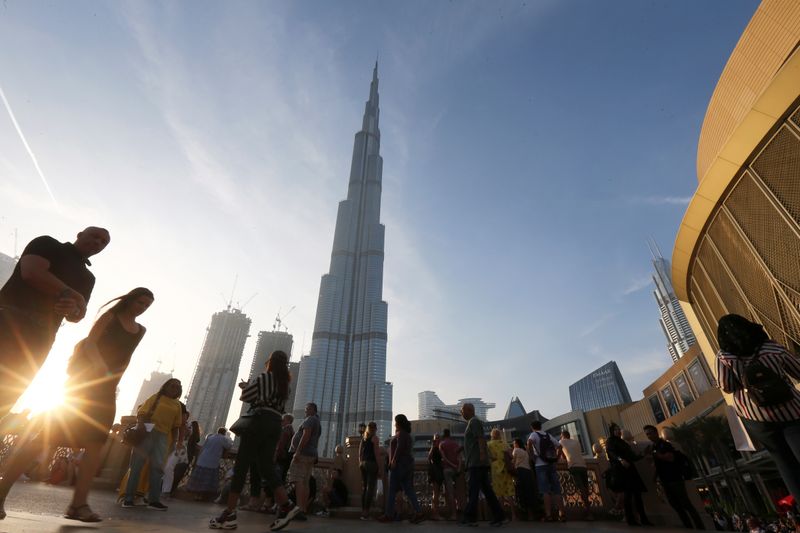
<point>530,150</point>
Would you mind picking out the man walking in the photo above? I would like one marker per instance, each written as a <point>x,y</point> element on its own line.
<point>545,451</point>
<point>670,473</point>
<point>576,464</point>
<point>304,447</point>
<point>477,460</point>
<point>49,283</point>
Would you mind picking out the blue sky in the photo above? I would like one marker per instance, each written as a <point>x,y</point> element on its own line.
<point>530,149</point>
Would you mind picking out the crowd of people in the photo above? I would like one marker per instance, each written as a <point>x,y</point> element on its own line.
<point>52,283</point>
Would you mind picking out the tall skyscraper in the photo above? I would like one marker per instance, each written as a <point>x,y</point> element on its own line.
<point>268,342</point>
<point>673,321</point>
<point>7,264</point>
<point>149,387</point>
<point>345,371</point>
<point>214,379</point>
<point>602,388</point>
<point>431,407</point>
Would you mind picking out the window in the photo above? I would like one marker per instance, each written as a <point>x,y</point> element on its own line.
<point>655,405</point>
<point>698,376</point>
<point>684,391</point>
<point>669,400</point>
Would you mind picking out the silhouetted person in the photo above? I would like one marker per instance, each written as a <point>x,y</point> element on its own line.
<point>49,283</point>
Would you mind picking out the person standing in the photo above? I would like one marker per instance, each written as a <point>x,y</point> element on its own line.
<point>622,459</point>
<point>401,471</point>
<point>166,416</point>
<point>477,462</point>
<point>304,449</point>
<point>371,469</point>
<point>758,372</point>
<point>50,282</point>
<point>94,371</point>
<point>502,482</point>
<point>545,453</point>
<point>266,394</point>
<point>204,479</point>
<point>524,478</point>
<point>670,473</point>
<point>576,465</point>
<point>451,465</point>
<point>435,475</point>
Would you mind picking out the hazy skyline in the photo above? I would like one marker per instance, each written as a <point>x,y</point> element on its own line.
<point>530,149</point>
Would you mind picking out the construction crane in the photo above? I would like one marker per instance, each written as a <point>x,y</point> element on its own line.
<point>278,325</point>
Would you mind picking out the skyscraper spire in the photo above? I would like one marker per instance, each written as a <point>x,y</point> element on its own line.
<point>345,372</point>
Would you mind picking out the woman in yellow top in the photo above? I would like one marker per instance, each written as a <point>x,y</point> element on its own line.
<point>167,418</point>
<point>502,482</point>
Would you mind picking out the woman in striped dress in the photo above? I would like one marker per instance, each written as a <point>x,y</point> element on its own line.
<point>771,413</point>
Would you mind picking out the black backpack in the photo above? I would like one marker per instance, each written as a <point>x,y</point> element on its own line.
<point>547,449</point>
<point>763,385</point>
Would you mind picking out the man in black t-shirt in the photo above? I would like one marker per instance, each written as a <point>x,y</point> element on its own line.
<point>49,283</point>
<point>670,474</point>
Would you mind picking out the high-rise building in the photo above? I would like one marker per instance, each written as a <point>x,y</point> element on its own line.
<point>7,264</point>
<point>515,409</point>
<point>602,388</point>
<point>268,342</point>
<point>431,407</point>
<point>214,379</point>
<point>345,371</point>
<point>149,387</point>
<point>294,371</point>
<point>673,321</point>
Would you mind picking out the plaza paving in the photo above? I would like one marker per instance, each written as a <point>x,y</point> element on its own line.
<point>36,508</point>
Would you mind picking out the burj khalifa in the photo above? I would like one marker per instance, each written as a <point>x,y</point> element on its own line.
<point>345,371</point>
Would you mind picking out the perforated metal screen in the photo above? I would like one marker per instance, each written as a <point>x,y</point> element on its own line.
<point>748,262</point>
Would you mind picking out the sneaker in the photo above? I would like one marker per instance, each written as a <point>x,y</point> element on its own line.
<point>157,506</point>
<point>365,517</point>
<point>284,517</point>
<point>227,520</point>
<point>417,518</point>
<point>323,513</point>
<point>497,523</point>
<point>127,504</point>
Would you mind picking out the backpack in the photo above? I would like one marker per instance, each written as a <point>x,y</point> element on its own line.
<point>763,385</point>
<point>547,448</point>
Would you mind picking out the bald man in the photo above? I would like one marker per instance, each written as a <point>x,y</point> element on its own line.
<point>51,282</point>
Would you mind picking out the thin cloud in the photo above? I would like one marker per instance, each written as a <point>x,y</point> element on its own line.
<point>594,326</point>
<point>661,200</point>
<point>27,146</point>
<point>637,284</point>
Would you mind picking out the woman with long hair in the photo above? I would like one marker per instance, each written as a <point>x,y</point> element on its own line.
<point>266,394</point>
<point>401,471</point>
<point>502,482</point>
<point>435,475</point>
<point>758,372</point>
<point>94,371</point>
<point>622,458</point>
<point>371,469</point>
<point>164,413</point>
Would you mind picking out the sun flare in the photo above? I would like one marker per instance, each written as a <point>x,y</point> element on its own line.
<point>45,392</point>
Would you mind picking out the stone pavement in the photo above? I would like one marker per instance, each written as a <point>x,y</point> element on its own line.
<point>35,508</point>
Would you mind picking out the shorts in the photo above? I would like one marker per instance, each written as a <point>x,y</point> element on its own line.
<point>580,475</point>
<point>300,469</point>
<point>547,479</point>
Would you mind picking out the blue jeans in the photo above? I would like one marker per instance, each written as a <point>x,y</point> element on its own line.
<point>547,479</point>
<point>782,441</point>
<point>401,478</point>
<point>154,449</point>
<point>480,480</point>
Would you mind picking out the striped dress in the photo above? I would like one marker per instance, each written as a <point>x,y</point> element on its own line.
<point>730,369</point>
<point>262,394</point>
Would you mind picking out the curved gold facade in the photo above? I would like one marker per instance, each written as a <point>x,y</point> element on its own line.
<point>738,247</point>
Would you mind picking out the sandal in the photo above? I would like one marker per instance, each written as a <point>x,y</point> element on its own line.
<point>83,513</point>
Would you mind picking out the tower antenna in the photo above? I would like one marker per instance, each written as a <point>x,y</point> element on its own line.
<point>233,290</point>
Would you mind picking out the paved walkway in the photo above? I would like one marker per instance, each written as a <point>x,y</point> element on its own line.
<point>34,508</point>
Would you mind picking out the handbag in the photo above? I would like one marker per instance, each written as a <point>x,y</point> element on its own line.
<point>244,425</point>
<point>135,434</point>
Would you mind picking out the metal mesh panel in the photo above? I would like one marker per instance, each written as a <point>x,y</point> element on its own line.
<point>774,331</point>
<point>707,287</point>
<point>778,166</point>
<point>707,319</point>
<point>790,324</point>
<point>796,118</point>
<point>721,280</point>
<point>767,230</point>
<point>750,275</point>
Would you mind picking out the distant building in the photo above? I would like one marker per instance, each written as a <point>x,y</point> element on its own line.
<point>214,380</point>
<point>7,264</point>
<point>673,321</point>
<point>431,407</point>
<point>149,387</point>
<point>515,409</point>
<point>294,371</point>
<point>602,388</point>
<point>268,342</point>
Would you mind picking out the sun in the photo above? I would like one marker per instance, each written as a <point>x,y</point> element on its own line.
<point>45,392</point>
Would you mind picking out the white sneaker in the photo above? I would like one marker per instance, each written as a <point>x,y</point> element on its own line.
<point>284,518</point>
